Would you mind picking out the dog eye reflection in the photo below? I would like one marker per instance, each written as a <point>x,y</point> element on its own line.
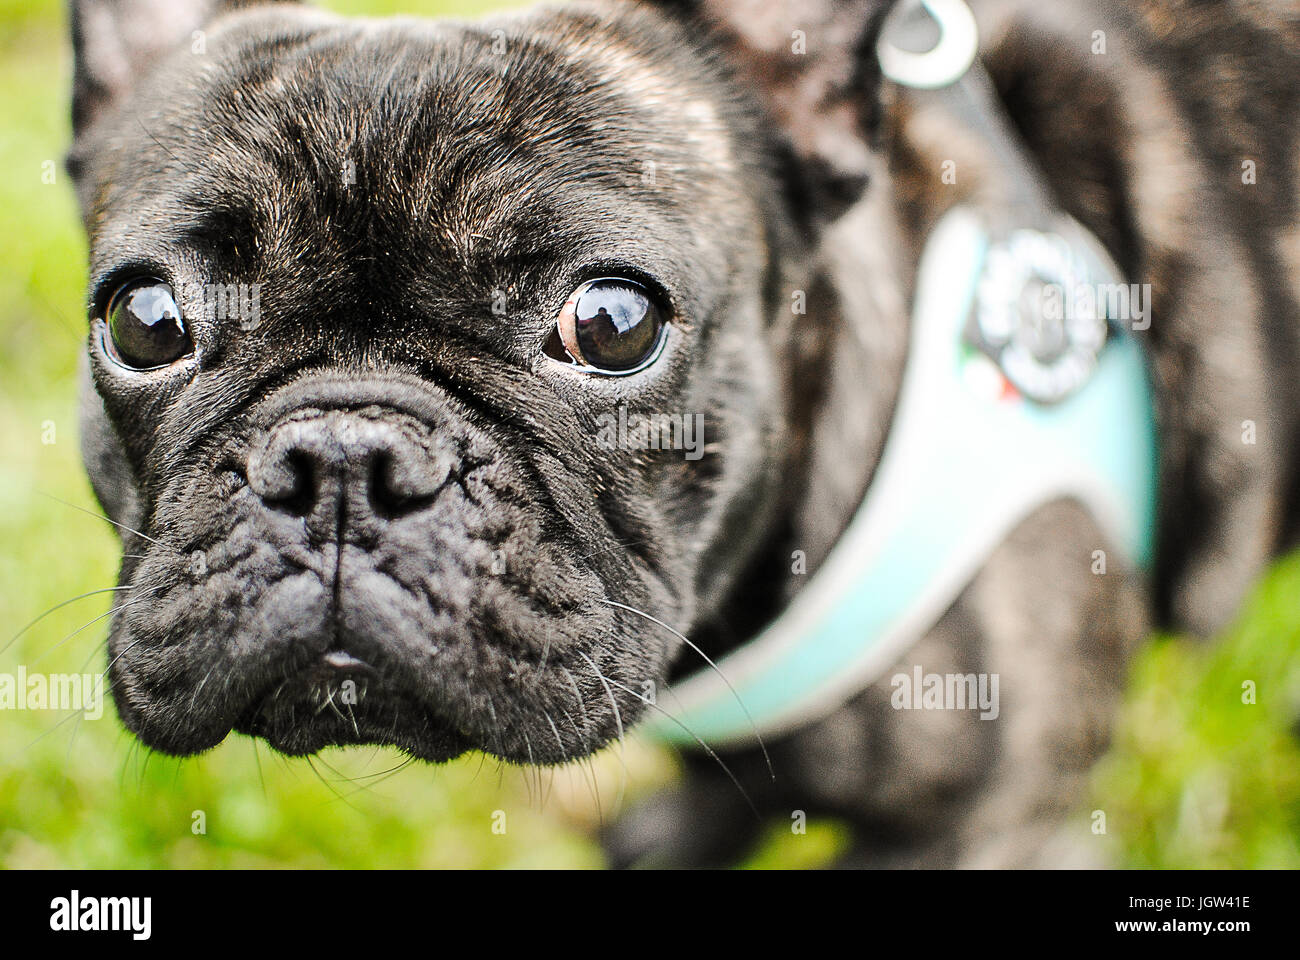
<point>610,325</point>
<point>145,328</point>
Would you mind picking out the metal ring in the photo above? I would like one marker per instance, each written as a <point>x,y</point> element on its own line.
<point>946,62</point>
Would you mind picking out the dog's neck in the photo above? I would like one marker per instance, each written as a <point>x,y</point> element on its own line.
<point>850,349</point>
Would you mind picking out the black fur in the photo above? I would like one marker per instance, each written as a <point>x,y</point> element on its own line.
<point>512,176</point>
<point>504,168</point>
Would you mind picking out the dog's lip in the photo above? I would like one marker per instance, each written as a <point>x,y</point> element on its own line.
<point>277,716</point>
<point>330,667</point>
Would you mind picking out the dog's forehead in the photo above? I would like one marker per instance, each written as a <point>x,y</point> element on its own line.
<point>470,131</point>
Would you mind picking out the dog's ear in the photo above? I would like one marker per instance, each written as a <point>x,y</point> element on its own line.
<point>115,43</point>
<point>812,64</point>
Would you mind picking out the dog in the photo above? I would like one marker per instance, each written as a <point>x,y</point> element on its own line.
<point>364,294</point>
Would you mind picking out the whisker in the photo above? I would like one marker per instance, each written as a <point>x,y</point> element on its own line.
<point>384,773</point>
<point>590,780</point>
<point>397,715</point>
<point>149,133</point>
<point>194,698</point>
<point>753,726</point>
<point>528,780</point>
<point>577,693</point>
<point>550,783</point>
<point>590,764</point>
<point>122,526</point>
<point>107,613</point>
<point>59,606</point>
<point>257,759</point>
<point>482,759</point>
<point>550,787</point>
<point>564,753</point>
<point>691,733</point>
<point>286,766</point>
<point>124,652</point>
<point>618,722</point>
<point>385,777</point>
<point>496,727</point>
<point>610,549</point>
<point>144,768</point>
<point>339,775</point>
<point>373,754</point>
<point>56,726</point>
<point>329,786</point>
<point>122,606</point>
<point>76,728</point>
<point>329,702</point>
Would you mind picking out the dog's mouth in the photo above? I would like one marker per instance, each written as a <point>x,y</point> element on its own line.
<point>341,700</point>
<point>374,662</point>
<point>370,576</point>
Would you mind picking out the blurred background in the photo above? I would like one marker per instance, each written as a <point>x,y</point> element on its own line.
<point>1196,777</point>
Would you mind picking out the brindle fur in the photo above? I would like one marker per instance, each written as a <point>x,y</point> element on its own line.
<point>778,172</point>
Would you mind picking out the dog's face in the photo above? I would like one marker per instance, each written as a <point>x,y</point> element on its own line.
<point>363,296</point>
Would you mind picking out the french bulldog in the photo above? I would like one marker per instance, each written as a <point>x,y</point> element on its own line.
<point>363,294</point>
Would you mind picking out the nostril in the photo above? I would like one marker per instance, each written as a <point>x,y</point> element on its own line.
<point>391,493</point>
<point>300,498</point>
<point>290,484</point>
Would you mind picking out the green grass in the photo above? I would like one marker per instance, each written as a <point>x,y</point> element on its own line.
<point>1197,778</point>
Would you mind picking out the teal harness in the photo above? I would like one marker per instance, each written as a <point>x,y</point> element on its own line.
<point>1022,385</point>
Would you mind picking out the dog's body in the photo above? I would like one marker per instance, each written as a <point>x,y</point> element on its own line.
<point>385,184</point>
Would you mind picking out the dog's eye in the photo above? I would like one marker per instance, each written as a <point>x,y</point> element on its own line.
<point>611,325</point>
<point>145,328</point>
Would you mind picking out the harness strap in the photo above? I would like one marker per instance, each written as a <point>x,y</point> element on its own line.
<point>1005,406</point>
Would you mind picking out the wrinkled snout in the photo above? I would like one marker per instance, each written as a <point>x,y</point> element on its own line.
<point>347,471</point>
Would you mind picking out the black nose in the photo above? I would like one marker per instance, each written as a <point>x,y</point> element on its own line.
<point>342,467</point>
